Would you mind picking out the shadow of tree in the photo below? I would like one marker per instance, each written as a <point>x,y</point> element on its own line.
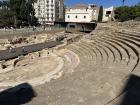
<point>131,94</point>
<point>17,95</point>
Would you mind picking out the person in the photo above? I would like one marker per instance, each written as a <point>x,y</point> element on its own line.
<point>44,27</point>
<point>48,52</point>
<point>83,28</point>
<point>23,49</point>
<point>4,29</point>
<point>34,28</point>
<point>11,50</point>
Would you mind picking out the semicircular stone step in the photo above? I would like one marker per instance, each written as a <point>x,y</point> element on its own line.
<point>124,52</point>
<point>134,46</point>
<point>94,50</point>
<point>117,53</point>
<point>130,52</point>
<point>109,50</point>
<point>90,46</point>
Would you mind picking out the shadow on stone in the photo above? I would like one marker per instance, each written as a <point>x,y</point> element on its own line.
<point>17,95</point>
<point>131,91</point>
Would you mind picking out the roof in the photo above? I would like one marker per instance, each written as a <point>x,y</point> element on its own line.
<point>80,6</point>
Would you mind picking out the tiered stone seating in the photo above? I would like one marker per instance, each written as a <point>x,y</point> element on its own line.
<point>106,60</point>
<point>133,42</point>
<point>99,51</point>
<point>95,69</point>
<point>113,56</point>
<point>108,48</point>
<point>122,50</point>
<point>84,54</point>
<point>131,54</point>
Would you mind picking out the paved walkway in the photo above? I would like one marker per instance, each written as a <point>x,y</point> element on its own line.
<point>15,52</point>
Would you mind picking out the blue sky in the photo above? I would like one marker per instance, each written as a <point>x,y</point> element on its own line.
<point>105,3</point>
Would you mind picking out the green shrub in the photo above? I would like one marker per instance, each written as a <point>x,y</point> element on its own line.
<point>125,13</point>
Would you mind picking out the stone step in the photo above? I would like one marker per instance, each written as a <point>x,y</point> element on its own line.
<point>133,57</point>
<point>76,49</point>
<point>117,53</point>
<point>98,52</point>
<point>124,53</point>
<point>130,32</point>
<point>134,46</point>
<point>85,58</point>
<point>71,60</point>
<point>93,51</point>
<point>129,51</point>
<point>109,50</point>
<point>103,52</point>
<point>92,61</point>
<point>135,37</point>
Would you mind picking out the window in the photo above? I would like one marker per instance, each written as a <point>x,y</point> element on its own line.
<point>76,17</point>
<point>68,16</point>
<point>47,1</point>
<point>108,12</point>
<point>84,17</point>
<point>72,26</point>
<point>52,15</point>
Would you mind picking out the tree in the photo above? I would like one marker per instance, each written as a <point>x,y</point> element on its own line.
<point>100,17</point>
<point>6,18</point>
<point>0,4</point>
<point>24,11</point>
<point>125,13</point>
<point>17,12</point>
<point>4,4</point>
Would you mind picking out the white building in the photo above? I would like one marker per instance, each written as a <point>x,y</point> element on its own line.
<point>49,11</point>
<point>108,14</point>
<point>82,13</point>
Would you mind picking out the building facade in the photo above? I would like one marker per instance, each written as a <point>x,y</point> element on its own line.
<point>82,13</point>
<point>49,11</point>
<point>108,14</point>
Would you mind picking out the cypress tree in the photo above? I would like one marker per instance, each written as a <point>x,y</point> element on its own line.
<point>100,17</point>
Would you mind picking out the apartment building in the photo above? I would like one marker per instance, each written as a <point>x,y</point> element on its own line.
<point>49,11</point>
<point>82,13</point>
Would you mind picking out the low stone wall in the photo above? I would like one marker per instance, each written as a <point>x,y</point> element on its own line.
<point>68,41</point>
